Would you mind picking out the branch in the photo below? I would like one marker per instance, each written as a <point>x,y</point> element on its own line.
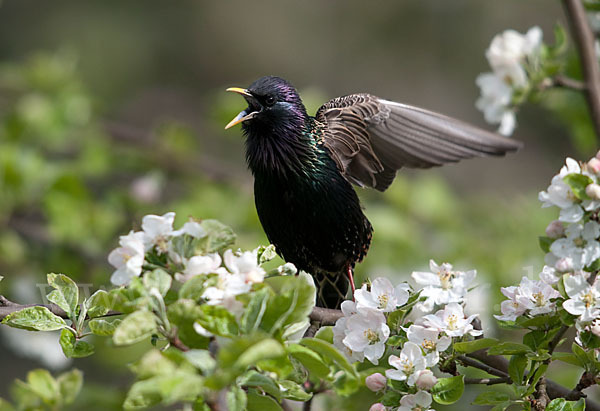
<point>568,82</point>
<point>325,316</point>
<point>487,381</point>
<point>585,41</point>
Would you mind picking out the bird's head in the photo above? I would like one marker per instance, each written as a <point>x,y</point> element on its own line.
<point>273,103</point>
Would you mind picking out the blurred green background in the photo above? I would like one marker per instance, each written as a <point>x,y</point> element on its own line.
<point>110,110</point>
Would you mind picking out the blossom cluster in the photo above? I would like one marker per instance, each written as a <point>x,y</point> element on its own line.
<point>378,318</point>
<point>572,244</point>
<point>512,56</point>
<point>227,276</point>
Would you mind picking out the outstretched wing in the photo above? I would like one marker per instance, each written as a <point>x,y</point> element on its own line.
<point>370,138</point>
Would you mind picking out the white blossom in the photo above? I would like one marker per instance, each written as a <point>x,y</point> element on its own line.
<point>443,285</point>
<point>536,296</point>
<point>339,333</point>
<point>508,54</point>
<point>228,286</point>
<point>430,342</point>
<point>580,245</point>
<point>559,194</point>
<point>201,264</point>
<point>158,230</point>
<point>425,380</point>
<point>191,228</point>
<point>452,321</point>
<point>383,295</point>
<point>367,331</point>
<point>495,102</point>
<point>407,365</point>
<point>420,401</point>
<point>245,264</point>
<point>127,259</point>
<point>584,300</point>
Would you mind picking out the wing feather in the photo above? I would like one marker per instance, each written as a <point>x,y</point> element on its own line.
<point>371,138</point>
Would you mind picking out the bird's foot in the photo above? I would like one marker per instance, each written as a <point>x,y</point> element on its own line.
<point>351,278</point>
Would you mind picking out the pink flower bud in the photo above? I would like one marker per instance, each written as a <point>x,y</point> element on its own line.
<point>425,380</point>
<point>594,165</point>
<point>377,407</point>
<point>376,382</point>
<point>593,191</point>
<point>564,265</point>
<point>555,229</point>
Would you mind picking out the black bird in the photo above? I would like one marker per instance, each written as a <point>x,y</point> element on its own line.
<point>303,167</point>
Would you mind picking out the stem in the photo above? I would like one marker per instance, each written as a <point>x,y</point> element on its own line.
<point>585,41</point>
<point>488,381</point>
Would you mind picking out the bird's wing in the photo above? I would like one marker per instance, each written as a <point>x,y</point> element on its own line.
<point>370,138</point>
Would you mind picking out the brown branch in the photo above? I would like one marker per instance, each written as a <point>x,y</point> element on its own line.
<point>325,316</point>
<point>482,366</point>
<point>568,82</point>
<point>488,381</point>
<point>585,41</point>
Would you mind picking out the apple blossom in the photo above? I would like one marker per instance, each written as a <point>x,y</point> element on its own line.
<point>425,380</point>
<point>452,321</point>
<point>416,402</point>
<point>430,342</point>
<point>376,382</point>
<point>407,365</point>
<point>127,259</point>
<point>584,300</point>
<point>157,231</point>
<point>443,285</point>
<point>201,264</point>
<point>560,194</point>
<point>246,264</point>
<point>580,245</point>
<point>383,295</point>
<point>367,331</point>
<point>555,229</point>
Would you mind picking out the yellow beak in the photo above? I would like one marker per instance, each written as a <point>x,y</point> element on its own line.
<point>242,116</point>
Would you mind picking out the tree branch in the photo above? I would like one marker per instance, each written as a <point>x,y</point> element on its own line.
<point>585,41</point>
<point>487,381</point>
<point>325,316</point>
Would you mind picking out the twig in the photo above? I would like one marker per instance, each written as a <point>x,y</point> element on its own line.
<point>325,316</point>
<point>554,343</point>
<point>568,82</point>
<point>585,41</point>
<point>488,381</point>
<point>482,366</point>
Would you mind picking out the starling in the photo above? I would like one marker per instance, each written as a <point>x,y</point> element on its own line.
<point>304,168</point>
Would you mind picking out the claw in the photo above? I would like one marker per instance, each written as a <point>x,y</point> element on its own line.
<point>351,278</point>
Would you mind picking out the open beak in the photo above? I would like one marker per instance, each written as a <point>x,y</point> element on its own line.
<point>244,115</point>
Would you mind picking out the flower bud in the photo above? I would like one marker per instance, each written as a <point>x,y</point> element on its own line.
<point>555,229</point>
<point>377,407</point>
<point>425,380</point>
<point>564,265</point>
<point>594,165</point>
<point>593,191</point>
<point>376,382</point>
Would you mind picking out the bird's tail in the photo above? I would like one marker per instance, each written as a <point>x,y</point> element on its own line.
<point>332,288</point>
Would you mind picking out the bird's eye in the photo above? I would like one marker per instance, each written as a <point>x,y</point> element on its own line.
<point>270,100</point>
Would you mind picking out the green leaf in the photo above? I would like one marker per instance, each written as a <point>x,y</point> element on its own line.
<point>561,404</point>
<point>73,348</point>
<point>509,348</point>
<point>218,320</point>
<point>293,391</point>
<point>309,359</point>
<point>325,334</point>
<point>5,405</point>
<point>330,353</point>
<point>491,398</point>
<point>580,354</point>
<point>183,314</point>
<point>98,304</point>
<point>578,183</point>
<point>257,402</point>
<point>448,390</point>
<point>265,254</point>
<point>545,243</point>
<point>589,339</point>
<point>236,398</point>
<point>193,288</point>
<point>44,385</point>
<point>539,372</point>
<point>201,359</point>
<point>219,236</point>
<point>568,358</point>
<point>135,327</point>
<point>255,310</point>
<point>66,293</point>
<point>164,389</point>
<point>158,279</point>
<point>292,304</point>
<point>103,327</point>
<point>35,318</point>
<point>255,379</point>
<point>70,384</point>
<point>267,348</point>
<point>475,345</point>
<point>516,368</point>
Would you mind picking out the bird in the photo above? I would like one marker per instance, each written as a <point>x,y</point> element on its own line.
<point>304,169</point>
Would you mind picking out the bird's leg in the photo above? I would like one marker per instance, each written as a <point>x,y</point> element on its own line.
<point>351,278</point>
